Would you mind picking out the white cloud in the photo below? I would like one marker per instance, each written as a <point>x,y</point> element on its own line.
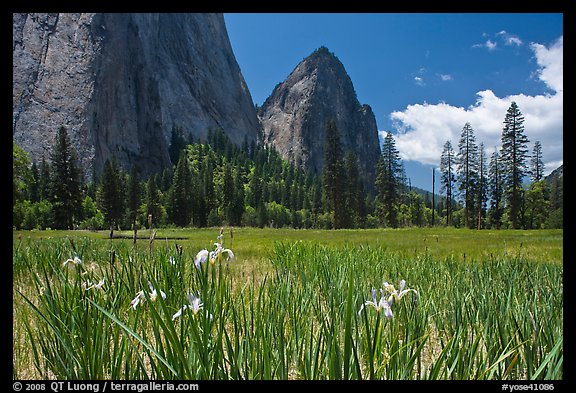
<point>445,77</point>
<point>489,44</point>
<point>509,39</point>
<point>550,61</point>
<point>422,129</point>
<point>513,40</point>
<point>419,81</point>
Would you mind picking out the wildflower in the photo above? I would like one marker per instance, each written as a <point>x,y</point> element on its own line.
<point>75,261</point>
<point>154,294</point>
<point>201,257</point>
<point>380,305</point>
<point>194,304</point>
<point>397,295</point>
<point>216,255</point>
<point>139,298</point>
<point>100,284</point>
<point>88,285</point>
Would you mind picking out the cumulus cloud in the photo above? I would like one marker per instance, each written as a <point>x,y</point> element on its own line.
<point>550,61</point>
<point>445,77</point>
<point>422,129</point>
<point>419,81</point>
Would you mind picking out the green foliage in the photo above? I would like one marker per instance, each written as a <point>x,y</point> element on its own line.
<point>65,182</point>
<point>334,175</point>
<point>514,153</point>
<point>389,182</point>
<point>21,173</point>
<point>219,183</point>
<point>111,193</point>
<point>305,316</point>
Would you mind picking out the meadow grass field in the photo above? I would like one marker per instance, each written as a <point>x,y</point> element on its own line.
<point>417,303</point>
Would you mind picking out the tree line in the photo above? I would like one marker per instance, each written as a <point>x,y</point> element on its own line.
<point>509,189</point>
<point>217,182</point>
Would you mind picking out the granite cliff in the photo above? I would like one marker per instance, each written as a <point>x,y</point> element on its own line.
<point>119,83</point>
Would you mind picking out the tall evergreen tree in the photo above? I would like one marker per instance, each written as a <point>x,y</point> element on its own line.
<point>537,166</point>
<point>255,186</point>
<point>390,180</point>
<point>237,205</point>
<point>44,180</point>
<point>334,174</point>
<point>177,143</point>
<point>514,152</point>
<point>66,182</point>
<point>448,177</point>
<point>180,194</point>
<point>133,195</point>
<point>355,191</point>
<point>496,190</point>
<point>153,201</point>
<point>228,193</point>
<point>209,190</point>
<point>34,187</point>
<point>111,193</point>
<point>481,187</point>
<point>467,170</point>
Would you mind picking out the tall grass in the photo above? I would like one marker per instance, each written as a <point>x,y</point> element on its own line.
<point>301,318</point>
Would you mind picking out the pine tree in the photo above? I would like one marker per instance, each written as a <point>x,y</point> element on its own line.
<point>514,154</point>
<point>153,201</point>
<point>44,180</point>
<point>255,186</point>
<point>180,194</point>
<point>177,143</point>
<point>537,166</point>
<point>334,174</point>
<point>228,193</point>
<point>133,196</point>
<point>33,186</point>
<point>390,180</point>
<point>110,194</point>
<point>208,183</point>
<point>237,206</point>
<point>495,190</point>
<point>66,183</point>
<point>447,163</point>
<point>481,187</point>
<point>467,170</point>
<point>355,196</point>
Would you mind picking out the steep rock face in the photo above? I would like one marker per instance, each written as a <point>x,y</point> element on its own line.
<point>294,117</point>
<point>120,82</point>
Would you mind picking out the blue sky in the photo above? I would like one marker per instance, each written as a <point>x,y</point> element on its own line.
<point>424,75</point>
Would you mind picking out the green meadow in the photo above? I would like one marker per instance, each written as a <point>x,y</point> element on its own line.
<point>414,303</point>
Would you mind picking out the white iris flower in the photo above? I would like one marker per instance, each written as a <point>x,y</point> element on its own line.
<point>75,261</point>
<point>140,297</point>
<point>379,305</point>
<point>89,285</point>
<point>194,304</point>
<point>201,257</point>
<point>395,294</point>
<point>154,294</point>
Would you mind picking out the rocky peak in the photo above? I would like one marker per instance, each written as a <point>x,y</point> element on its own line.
<point>294,117</point>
